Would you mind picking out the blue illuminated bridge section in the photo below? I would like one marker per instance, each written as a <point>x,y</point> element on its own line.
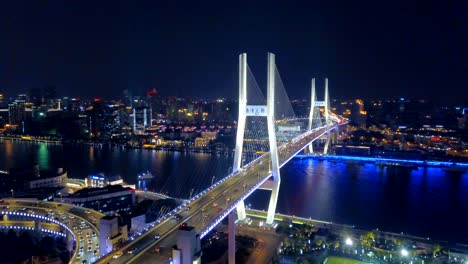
<point>208,208</point>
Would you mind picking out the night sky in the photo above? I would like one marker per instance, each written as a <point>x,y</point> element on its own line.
<point>368,49</point>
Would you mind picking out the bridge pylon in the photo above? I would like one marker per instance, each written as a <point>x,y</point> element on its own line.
<point>241,125</point>
<point>267,111</point>
<point>315,111</point>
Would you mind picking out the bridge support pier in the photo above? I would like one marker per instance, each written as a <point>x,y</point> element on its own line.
<point>241,215</point>
<point>325,148</point>
<point>232,238</point>
<point>273,201</point>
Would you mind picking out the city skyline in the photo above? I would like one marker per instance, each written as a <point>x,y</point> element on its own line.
<point>188,50</point>
<point>142,132</point>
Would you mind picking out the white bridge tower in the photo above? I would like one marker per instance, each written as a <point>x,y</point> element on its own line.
<point>315,111</point>
<point>267,111</point>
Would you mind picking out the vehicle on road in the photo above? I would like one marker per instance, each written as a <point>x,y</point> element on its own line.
<point>117,255</point>
<point>177,217</point>
<point>130,251</point>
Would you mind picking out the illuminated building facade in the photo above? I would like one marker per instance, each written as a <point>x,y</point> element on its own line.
<point>111,199</point>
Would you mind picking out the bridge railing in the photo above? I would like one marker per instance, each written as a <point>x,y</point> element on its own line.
<point>262,180</point>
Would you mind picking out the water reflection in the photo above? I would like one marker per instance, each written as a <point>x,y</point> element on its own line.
<point>43,156</point>
<point>425,201</point>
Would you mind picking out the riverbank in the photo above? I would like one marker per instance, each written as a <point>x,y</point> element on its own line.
<point>27,138</point>
<point>315,240</point>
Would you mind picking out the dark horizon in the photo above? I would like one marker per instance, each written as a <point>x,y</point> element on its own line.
<point>368,50</point>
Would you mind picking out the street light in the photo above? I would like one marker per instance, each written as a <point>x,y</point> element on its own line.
<point>404,252</point>
<point>348,241</point>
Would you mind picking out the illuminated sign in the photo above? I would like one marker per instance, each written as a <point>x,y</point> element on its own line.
<point>256,110</point>
<point>319,103</point>
<point>97,178</point>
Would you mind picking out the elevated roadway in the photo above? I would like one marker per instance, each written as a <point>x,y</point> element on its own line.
<point>208,208</point>
<point>79,224</point>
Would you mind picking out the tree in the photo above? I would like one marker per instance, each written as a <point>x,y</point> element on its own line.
<point>397,242</point>
<point>336,244</point>
<point>319,242</point>
<point>435,249</point>
<point>368,239</point>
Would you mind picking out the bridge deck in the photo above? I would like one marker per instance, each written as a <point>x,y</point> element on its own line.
<point>208,208</point>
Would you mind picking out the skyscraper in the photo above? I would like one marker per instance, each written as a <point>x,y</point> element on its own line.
<point>17,112</point>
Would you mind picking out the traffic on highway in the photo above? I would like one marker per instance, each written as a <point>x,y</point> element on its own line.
<point>81,223</point>
<point>208,208</point>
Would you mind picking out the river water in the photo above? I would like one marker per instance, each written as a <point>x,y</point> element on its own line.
<point>426,202</point>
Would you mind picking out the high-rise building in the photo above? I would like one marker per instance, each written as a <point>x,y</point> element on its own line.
<point>96,117</point>
<point>172,109</point>
<point>50,94</point>
<point>358,114</point>
<point>154,103</point>
<point>2,101</point>
<point>17,112</point>
<point>221,110</point>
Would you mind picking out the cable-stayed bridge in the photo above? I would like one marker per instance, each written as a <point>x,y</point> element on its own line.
<point>268,136</point>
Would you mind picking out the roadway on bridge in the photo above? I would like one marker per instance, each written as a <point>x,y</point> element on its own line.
<point>209,207</point>
<point>82,222</point>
